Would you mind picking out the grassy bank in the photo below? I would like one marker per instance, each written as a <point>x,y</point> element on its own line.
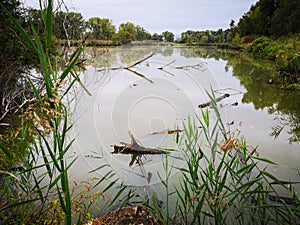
<point>285,52</point>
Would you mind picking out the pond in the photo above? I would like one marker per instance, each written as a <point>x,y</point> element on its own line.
<point>159,93</point>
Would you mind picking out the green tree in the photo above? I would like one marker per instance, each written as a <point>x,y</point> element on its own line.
<point>128,31</point>
<point>68,25</point>
<point>157,37</point>
<point>131,32</point>
<point>271,17</point>
<point>286,18</point>
<point>168,36</point>
<point>102,29</point>
<point>142,34</point>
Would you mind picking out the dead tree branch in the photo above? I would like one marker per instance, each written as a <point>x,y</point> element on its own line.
<point>134,148</point>
<point>209,103</point>
<point>140,61</point>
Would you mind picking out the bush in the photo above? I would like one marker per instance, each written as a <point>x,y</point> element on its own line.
<point>258,45</point>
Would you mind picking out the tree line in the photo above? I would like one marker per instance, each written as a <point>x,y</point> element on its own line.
<point>71,25</point>
<point>274,18</point>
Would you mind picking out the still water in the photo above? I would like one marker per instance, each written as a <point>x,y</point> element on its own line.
<point>159,93</point>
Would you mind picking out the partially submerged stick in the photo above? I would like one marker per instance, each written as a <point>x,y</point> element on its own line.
<point>140,61</point>
<point>128,67</point>
<point>134,148</point>
<point>210,102</point>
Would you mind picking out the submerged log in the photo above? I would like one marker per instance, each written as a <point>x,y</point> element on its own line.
<point>281,199</point>
<point>209,103</point>
<point>125,148</point>
<point>134,148</point>
<point>167,132</point>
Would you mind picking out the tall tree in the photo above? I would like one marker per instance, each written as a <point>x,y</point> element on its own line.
<point>102,29</point>
<point>168,36</point>
<point>286,18</point>
<point>127,31</point>
<point>271,17</point>
<point>142,34</point>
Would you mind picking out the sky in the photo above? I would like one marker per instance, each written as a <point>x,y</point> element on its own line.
<point>157,16</point>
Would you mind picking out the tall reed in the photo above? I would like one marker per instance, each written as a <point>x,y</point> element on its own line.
<point>224,180</point>
<point>47,153</point>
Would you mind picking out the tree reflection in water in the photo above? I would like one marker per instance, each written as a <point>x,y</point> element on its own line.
<point>254,75</point>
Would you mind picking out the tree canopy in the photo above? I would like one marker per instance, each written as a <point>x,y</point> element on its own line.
<point>271,17</point>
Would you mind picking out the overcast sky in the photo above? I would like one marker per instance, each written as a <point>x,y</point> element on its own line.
<point>160,15</point>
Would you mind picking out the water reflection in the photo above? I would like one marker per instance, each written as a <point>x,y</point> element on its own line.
<point>255,75</point>
<point>123,101</point>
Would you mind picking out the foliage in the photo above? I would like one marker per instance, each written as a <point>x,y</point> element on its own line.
<point>285,52</point>
<point>259,46</point>
<point>157,37</point>
<point>129,32</point>
<point>271,17</point>
<point>168,36</point>
<point>101,29</point>
<point>202,37</point>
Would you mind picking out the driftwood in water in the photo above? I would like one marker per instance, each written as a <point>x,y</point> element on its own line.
<point>140,61</point>
<point>210,102</point>
<point>129,68</point>
<point>286,200</point>
<point>168,132</point>
<point>134,148</point>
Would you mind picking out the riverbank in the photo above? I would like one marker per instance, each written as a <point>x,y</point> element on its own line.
<point>284,52</point>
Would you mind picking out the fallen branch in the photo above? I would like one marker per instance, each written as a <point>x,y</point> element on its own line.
<point>167,132</point>
<point>196,66</point>
<point>162,67</point>
<point>134,148</point>
<point>281,199</point>
<point>140,61</point>
<point>4,114</point>
<point>210,102</point>
<point>130,66</point>
<point>139,74</point>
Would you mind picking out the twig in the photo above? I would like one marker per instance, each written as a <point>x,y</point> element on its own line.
<point>77,50</point>
<point>130,66</point>
<point>140,61</point>
<point>210,102</point>
<point>196,66</point>
<point>139,74</point>
<point>80,83</point>
<point>4,114</point>
<point>226,90</point>
<point>162,67</point>
<point>20,106</point>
